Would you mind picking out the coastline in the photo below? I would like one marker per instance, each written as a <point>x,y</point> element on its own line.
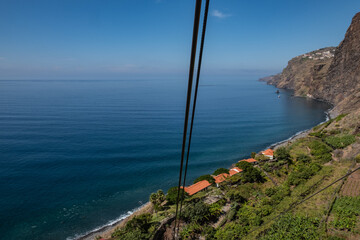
<point>106,230</point>
<point>304,133</point>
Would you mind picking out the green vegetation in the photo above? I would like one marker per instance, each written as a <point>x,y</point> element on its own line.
<point>253,154</point>
<point>172,194</point>
<point>320,151</point>
<point>196,213</point>
<point>140,227</point>
<point>357,158</point>
<point>249,174</point>
<point>232,231</point>
<point>303,172</point>
<point>282,154</point>
<point>156,199</point>
<point>346,211</point>
<point>293,227</point>
<point>340,141</point>
<point>221,170</point>
<point>206,177</point>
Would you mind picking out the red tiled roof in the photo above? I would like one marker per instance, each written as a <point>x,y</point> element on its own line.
<point>234,171</point>
<point>197,187</point>
<point>269,152</point>
<point>221,177</point>
<point>250,160</point>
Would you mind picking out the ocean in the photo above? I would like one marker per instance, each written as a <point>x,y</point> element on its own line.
<point>77,155</point>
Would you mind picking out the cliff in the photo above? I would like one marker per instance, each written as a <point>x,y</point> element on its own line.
<point>330,74</point>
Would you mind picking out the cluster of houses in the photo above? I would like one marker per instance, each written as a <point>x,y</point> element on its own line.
<point>319,55</point>
<point>201,185</point>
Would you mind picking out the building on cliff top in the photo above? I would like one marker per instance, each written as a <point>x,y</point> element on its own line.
<point>268,153</point>
<point>234,171</point>
<point>250,160</point>
<point>197,187</point>
<point>220,178</point>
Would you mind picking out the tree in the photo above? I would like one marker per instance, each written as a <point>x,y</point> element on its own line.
<point>303,158</point>
<point>249,173</point>
<point>156,199</point>
<point>283,154</point>
<point>207,177</point>
<point>141,222</point>
<point>198,212</point>
<point>253,154</point>
<point>244,165</point>
<point>172,194</point>
<point>220,171</point>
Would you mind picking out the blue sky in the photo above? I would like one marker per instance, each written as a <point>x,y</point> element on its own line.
<point>118,39</point>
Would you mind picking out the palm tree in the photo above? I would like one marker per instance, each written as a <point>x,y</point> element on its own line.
<point>156,199</point>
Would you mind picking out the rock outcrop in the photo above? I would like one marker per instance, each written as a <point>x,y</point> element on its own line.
<point>330,74</point>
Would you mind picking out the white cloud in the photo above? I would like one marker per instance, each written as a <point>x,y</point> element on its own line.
<point>218,14</point>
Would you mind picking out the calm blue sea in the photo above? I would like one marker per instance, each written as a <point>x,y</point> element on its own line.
<point>75,155</point>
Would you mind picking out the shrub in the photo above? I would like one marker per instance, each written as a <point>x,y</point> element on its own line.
<point>302,173</point>
<point>249,173</point>
<point>191,231</point>
<point>271,191</point>
<point>172,194</point>
<point>215,210</point>
<point>231,231</point>
<point>262,158</point>
<point>303,158</point>
<point>319,134</point>
<point>207,177</point>
<point>198,212</point>
<point>136,228</point>
<point>341,116</point>
<point>340,141</point>
<point>357,158</point>
<point>221,170</point>
<point>283,154</point>
<point>265,210</point>
<point>320,151</point>
<point>245,190</point>
<point>248,216</point>
<point>293,227</point>
<point>236,196</point>
<point>346,211</point>
<point>279,195</point>
<point>243,165</point>
<point>268,167</point>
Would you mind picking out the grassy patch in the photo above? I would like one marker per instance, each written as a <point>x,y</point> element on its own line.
<point>346,211</point>
<point>340,141</point>
<point>320,151</point>
<point>293,227</point>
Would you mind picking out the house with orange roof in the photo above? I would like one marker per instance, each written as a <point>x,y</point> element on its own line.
<point>249,160</point>
<point>268,153</point>
<point>197,187</point>
<point>220,178</point>
<point>234,171</point>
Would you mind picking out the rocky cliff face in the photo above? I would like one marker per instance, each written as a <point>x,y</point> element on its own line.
<point>330,74</point>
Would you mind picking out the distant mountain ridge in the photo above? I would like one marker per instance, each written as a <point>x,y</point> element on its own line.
<point>330,74</point>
